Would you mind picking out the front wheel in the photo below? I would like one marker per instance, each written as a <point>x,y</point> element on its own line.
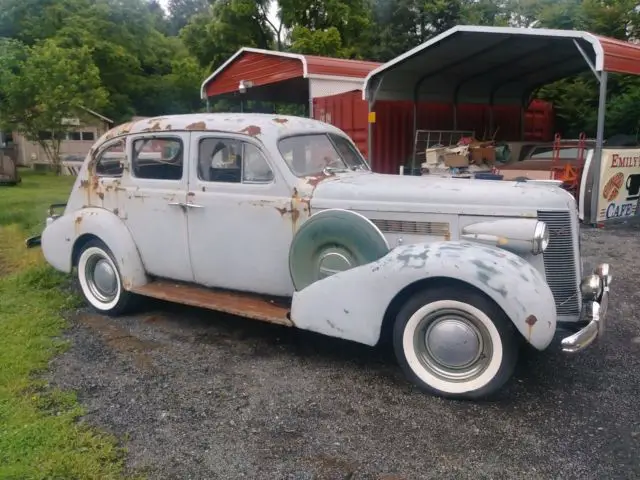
<point>455,342</point>
<point>100,280</point>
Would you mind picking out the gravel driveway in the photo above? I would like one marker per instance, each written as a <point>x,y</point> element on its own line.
<point>206,396</point>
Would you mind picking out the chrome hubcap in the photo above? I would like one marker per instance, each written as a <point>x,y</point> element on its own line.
<point>334,260</point>
<point>453,345</point>
<point>101,279</point>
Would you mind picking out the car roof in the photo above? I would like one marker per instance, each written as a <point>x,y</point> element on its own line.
<point>250,124</point>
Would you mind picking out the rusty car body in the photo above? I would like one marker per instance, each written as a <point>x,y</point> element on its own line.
<point>280,219</point>
<point>534,161</point>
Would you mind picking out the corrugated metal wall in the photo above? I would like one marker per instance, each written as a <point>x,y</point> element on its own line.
<point>393,130</point>
<point>348,112</point>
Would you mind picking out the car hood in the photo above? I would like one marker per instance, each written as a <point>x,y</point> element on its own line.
<point>369,191</point>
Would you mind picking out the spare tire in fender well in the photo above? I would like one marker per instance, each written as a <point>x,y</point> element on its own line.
<point>330,241</point>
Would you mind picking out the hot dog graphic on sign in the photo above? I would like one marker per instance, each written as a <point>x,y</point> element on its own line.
<point>613,186</point>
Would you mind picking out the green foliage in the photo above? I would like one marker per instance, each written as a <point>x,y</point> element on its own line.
<point>338,27</point>
<point>181,11</point>
<point>40,436</point>
<point>326,42</point>
<point>44,85</point>
<point>26,204</point>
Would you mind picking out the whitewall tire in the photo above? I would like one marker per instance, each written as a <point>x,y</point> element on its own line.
<point>100,280</point>
<point>455,342</point>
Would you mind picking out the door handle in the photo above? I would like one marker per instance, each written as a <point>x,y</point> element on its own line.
<point>186,205</point>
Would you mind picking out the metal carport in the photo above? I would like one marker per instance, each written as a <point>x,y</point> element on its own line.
<point>500,65</point>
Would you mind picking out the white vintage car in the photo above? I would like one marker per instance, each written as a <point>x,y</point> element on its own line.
<point>280,219</point>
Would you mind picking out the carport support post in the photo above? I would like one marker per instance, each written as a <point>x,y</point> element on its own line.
<point>597,155</point>
<point>415,132</point>
<point>371,97</point>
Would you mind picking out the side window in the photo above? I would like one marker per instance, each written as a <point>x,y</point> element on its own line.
<point>157,158</point>
<point>256,168</point>
<point>111,160</point>
<point>231,161</point>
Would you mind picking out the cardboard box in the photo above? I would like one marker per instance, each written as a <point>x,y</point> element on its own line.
<point>433,155</point>
<point>483,155</point>
<point>455,160</point>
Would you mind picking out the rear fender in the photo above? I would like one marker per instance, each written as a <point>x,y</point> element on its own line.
<point>352,304</point>
<point>60,236</point>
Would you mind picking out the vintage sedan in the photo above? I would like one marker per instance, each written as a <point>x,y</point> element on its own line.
<point>280,219</point>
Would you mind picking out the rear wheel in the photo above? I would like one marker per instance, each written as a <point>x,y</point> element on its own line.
<point>455,342</point>
<point>100,280</point>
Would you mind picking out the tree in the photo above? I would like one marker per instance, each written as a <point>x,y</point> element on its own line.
<point>43,87</point>
<point>336,27</point>
<point>230,24</point>
<point>327,42</point>
<point>181,12</point>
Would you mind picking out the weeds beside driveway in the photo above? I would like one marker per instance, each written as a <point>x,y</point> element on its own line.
<point>40,435</point>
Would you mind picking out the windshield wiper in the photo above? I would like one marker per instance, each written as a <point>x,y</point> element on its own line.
<point>331,170</point>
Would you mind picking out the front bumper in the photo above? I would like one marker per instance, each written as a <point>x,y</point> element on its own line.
<point>594,312</point>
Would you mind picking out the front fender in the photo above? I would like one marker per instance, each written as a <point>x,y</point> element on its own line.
<point>352,304</point>
<point>60,236</point>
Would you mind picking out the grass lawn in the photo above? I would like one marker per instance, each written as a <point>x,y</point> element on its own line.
<point>40,436</point>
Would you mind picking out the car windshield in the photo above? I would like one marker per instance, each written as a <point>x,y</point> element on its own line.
<point>314,154</point>
<point>546,153</point>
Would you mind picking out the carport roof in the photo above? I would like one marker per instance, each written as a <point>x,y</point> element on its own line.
<point>472,64</point>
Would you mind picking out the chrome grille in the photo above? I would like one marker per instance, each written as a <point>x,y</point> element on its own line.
<point>438,229</point>
<point>559,262</point>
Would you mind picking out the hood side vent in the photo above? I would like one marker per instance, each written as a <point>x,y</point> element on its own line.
<point>408,227</point>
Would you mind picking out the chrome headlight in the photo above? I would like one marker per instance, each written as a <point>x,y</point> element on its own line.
<point>540,238</point>
<point>522,236</point>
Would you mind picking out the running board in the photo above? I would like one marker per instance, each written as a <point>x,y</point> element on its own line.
<point>236,303</point>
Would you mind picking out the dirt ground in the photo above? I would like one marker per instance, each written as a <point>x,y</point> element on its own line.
<point>198,395</point>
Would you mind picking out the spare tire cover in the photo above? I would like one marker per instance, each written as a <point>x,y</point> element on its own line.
<point>332,241</point>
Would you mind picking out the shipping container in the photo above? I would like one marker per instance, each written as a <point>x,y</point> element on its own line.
<point>393,128</point>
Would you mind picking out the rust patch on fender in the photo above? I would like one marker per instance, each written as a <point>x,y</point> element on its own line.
<point>316,179</point>
<point>251,130</point>
<point>197,126</point>
<point>280,120</point>
<point>530,321</point>
<point>295,215</point>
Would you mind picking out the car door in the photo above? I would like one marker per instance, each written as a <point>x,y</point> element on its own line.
<point>156,194</point>
<point>240,226</point>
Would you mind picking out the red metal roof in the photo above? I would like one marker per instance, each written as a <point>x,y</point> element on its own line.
<point>619,56</point>
<point>263,67</point>
<point>339,67</point>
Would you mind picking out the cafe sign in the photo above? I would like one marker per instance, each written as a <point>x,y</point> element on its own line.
<point>619,183</point>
